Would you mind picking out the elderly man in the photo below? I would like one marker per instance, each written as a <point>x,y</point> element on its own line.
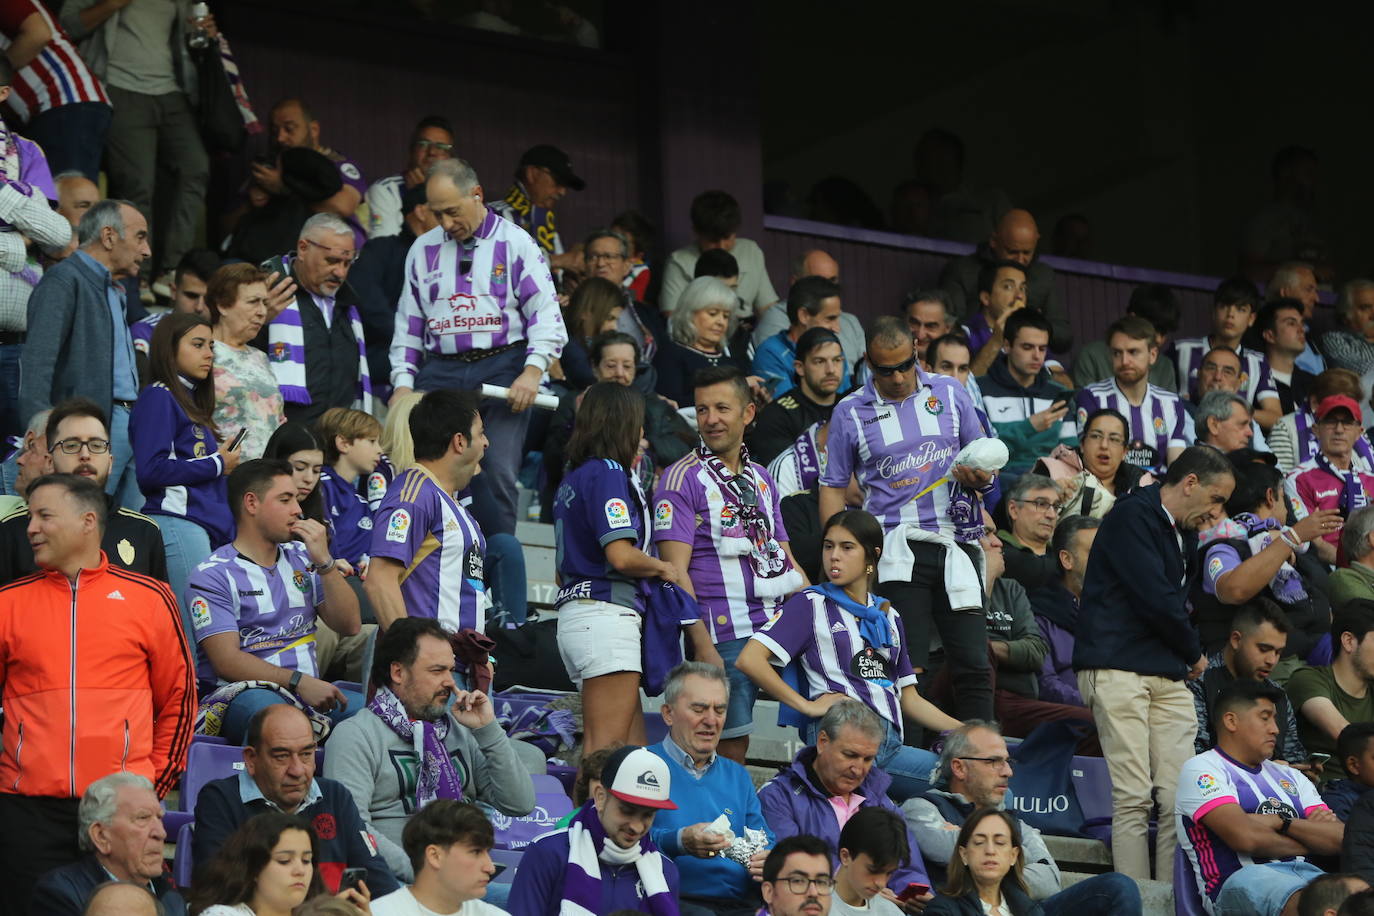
<point>26,464</point>
<point>715,224</point>
<point>1332,478</point>
<point>478,308</point>
<point>1015,239</point>
<point>422,738</point>
<point>812,302</point>
<point>1223,421</point>
<point>1352,346</point>
<point>431,140</point>
<point>705,785</point>
<point>81,446</point>
<point>79,341</point>
<point>607,253</point>
<point>974,772</point>
<point>929,314</point>
<point>294,127</point>
<point>120,829</point>
<point>1296,280</point>
<point>279,775</point>
<point>828,782</point>
<point>543,176</point>
<point>316,344</point>
<point>1233,313</point>
<point>1033,506</point>
<point>1223,371</point>
<point>1357,579</point>
<point>128,653</point>
<point>813,263</point>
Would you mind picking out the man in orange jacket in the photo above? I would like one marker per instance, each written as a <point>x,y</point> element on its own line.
<point>95,678</point>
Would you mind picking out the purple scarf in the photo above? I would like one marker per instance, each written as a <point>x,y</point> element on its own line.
<point>1353,495</point>
<point>750,520</point>
<point>437,777</point>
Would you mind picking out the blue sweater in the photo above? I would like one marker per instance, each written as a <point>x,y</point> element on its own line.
<point>538,886</point>
<point>725,788</point>
<point>178,464</point>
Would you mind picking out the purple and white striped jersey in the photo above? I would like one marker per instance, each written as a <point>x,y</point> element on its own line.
<point>1157,425</point>
<point>272,610</point>
<point>142,331</point>
<point>902,453</point>
<point>827,641</point>
<point>689,507</point>
<point>421,527</point>
<point>505,294</point>
<point>1256,382</point>
<point>1213,779</point>
<point>799,467</point>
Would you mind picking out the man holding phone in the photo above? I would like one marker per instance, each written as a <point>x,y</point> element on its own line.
<point>1026,407</point>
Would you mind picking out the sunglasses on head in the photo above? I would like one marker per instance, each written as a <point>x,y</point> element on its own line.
<point>893,370</point>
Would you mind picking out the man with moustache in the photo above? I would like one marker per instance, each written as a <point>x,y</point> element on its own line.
<point>78,443</point>
<point>1330,479</point>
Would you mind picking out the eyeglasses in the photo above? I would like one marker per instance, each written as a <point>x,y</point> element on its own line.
<point>72,446</point>
<point>893,370</point>
<point>594,257</point>
<point>1110,439</point>
<point>435,145</point>
<point>995,762</point>
<point>798,884</point>
<point>1044,505</point>
<point>349,258</point>
<point>1336,421</point>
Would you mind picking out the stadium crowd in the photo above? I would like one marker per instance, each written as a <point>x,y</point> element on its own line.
<point>269,497</point>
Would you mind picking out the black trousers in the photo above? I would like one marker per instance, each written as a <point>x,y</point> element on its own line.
<point>922,602</point>
<point>37,834</point>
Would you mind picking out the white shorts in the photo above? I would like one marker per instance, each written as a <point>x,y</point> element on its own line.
<point>597,637</point>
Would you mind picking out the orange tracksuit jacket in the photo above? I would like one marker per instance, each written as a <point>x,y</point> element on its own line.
<point>95,677</point>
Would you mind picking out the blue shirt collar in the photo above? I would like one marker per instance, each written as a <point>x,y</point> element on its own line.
<point>249,792</point>
<point>680,756</point>
<point>92,262</point>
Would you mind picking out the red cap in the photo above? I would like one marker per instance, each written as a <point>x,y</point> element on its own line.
<point>1335,402</point>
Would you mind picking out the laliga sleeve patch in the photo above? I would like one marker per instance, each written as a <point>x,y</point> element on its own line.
<point>398,526</point>
<point>1207,784</point>
<point>617,513</point>
<point>376,486</point>
<point>200,613</point>
<point>663,515</point>
<point>350,171</point>
<point>1215,567</point>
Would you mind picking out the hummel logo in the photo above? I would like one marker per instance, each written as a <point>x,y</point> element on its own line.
<point>115,595</point>
<point>837,628</point>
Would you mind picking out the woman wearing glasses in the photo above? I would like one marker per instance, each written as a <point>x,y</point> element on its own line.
<point>846,643</point>
<point>1099,474</point>
<point>180,462</point>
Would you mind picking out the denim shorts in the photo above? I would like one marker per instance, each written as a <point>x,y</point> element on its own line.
<point>1263,889</point>
<point>739,715</point>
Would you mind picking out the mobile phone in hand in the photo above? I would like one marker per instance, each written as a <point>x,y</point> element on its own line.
<point>352,877</point>
<point>1316,760</point>
<point>912,891</point>
<point>238,438</point>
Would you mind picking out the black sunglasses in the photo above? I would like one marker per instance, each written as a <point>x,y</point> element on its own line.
<point>893,370</point>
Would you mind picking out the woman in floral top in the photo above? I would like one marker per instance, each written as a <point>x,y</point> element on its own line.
<point>246,393</point>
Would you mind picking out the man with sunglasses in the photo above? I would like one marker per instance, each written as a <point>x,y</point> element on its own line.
<point>431,140</point>
<point>78,442</point>
<point>899,434</point>
<point>543,176</point>
<point>1330,479</point>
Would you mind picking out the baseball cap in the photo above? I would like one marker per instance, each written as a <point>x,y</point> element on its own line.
<point>639,776</point>
<point>556,161</point>
<point>1335,401</point>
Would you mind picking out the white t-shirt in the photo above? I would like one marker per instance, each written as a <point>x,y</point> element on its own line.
<point>403,903</point>
<point>877,905</point>
<point>220,909</point>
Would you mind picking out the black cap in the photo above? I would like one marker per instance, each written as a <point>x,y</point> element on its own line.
<point>1250,455</point>
<point>413,197</point>
<point>556,161</point>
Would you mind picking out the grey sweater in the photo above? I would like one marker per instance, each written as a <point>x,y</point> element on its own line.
<point>379,769</point>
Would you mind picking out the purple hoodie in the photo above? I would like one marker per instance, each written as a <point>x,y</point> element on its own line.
<point>793,803</point>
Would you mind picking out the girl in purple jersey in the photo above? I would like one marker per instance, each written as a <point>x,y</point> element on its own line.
<point>849,644</point>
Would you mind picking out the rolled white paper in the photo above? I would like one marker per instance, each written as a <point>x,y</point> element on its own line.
<point>546,401</point>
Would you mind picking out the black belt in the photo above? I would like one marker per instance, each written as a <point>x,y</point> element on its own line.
<point>476,356</point>
<point>10,338</point>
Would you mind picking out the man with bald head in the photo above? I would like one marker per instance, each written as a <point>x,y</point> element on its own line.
<point>119,898</point>
<point>813,263</point>
<point>1297,280</point>
<point>1016,238</point>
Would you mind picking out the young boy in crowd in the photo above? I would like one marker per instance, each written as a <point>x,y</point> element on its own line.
<point>872,846</point>
<point>351,450</point>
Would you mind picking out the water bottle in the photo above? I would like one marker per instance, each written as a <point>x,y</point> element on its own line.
<point>197,38</point>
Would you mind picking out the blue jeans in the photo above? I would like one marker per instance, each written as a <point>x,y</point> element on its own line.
<point>72,136</point>
<point>739,714</point>
<point>1263,890</point>
<point>909,767</point>
<point>1110,893</point>
<point>505,430</point>
<point>249,703</point>
<point>11,424</point>
<point>187,545</point>
<point>123,483</point>
<point>505,574</point>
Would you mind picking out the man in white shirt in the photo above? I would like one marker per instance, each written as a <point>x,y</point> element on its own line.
<point>449,844</point>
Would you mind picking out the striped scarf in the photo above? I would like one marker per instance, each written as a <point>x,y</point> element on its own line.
<point>588,847</point>
<point>286,353</point>
<point>231,72</point>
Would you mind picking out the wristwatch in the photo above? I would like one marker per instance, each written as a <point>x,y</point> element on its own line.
<point>323,568</point>
<point>1287,822</point>
<point>296,682</point>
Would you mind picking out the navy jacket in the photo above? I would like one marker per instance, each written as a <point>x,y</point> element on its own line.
<point>63,891</point>
<point>1132,616</point>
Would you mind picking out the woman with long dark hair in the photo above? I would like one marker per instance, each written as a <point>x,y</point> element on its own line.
<point>848,647</point>
<point>984,877</point>
<point>180,461</point>
<point>601,523</point>
<point>296,443</point>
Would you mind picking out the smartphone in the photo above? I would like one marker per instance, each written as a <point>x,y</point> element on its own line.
<point>1064,398</point>
<point>238,438</point>
<point>1316,760</point>
<point>912,891</point>
<point>352,877</point>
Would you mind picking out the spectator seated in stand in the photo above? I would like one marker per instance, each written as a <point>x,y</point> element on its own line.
<point>1027,408</point>
<point>818,366</point>
<point>1245,822</point>
<point>1099,473</point>
<point>797,878</point>
<point>828,782</point>
<point>278,774</point>
<point>1033,506</point>
<point>1259,633</point>
<point>594,309</point>
<point>974,772</point>
<point>1056,608</point>
<point>1357,579</point>
<point>1329,698</point>
<point>1332,478</point>
<point>1001,291</point>
<point>699,328</point>
<point>294,127</point>
<point>431,140</point>
<point>1294,438</point>
<point>872,845</point>
<point>1156,304</point>
<point>639,235</point>
<point>1233,312</point>
<point>120,830</point>
<point>1250,554</point>
<point>722,265</point>
<point>254,603</point>
<point>606,253</point>
<point>929,315</point>
<point>411,746</point>
<point>1351,346</point>
<point>1222,419</point>
<point>813,263</point>
<point>1326,894</point>
<point>449,844</point>
<point>1297,280</point>
<point>715,224</point>
<point>1355,748</point>
<point>812,302</point>
<point>1279,326</point>
<point>543,177</point>
<point>349,440</point>
<point>605,861</point>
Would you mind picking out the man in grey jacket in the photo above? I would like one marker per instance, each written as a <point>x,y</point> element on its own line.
<point>464,755</point>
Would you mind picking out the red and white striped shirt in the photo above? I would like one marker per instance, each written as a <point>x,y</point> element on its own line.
<point>57,76</point>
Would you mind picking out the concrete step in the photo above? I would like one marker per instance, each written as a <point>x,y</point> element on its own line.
<point>1079,854</point>
<point>1156,897</point>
